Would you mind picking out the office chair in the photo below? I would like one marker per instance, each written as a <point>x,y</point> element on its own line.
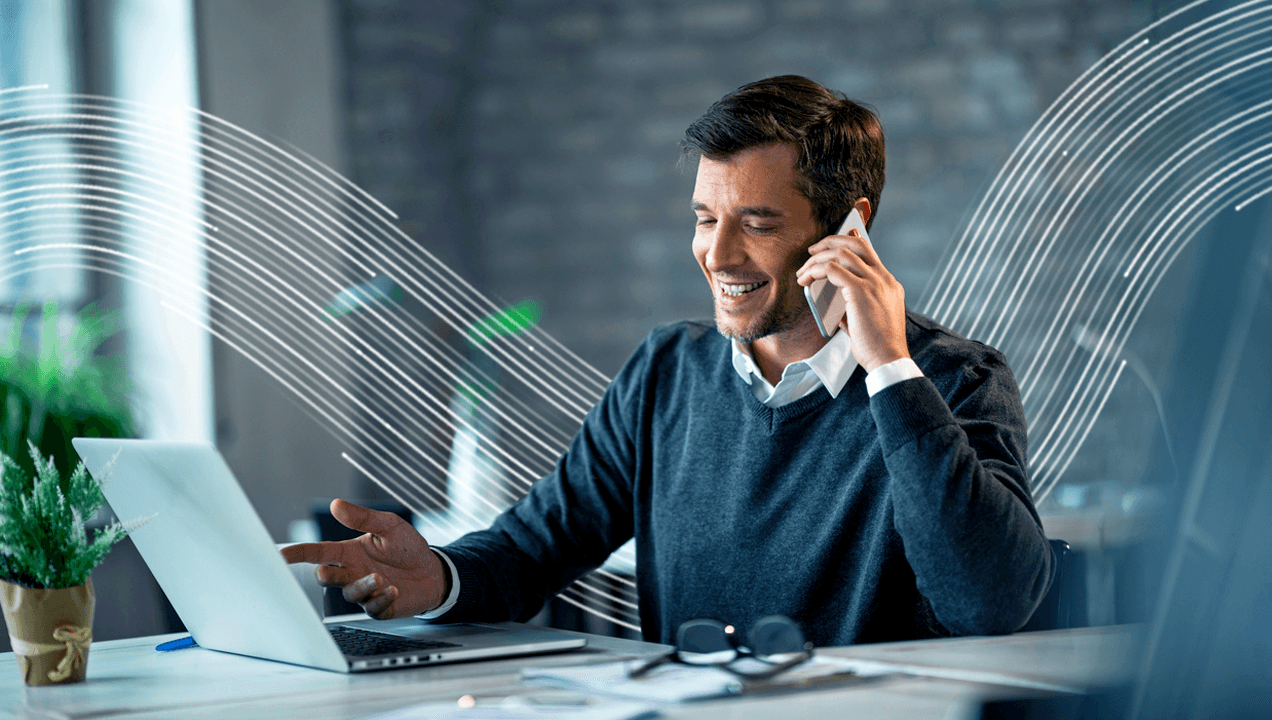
<point>1064,605</point>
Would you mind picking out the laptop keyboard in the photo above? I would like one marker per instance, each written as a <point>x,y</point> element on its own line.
<point>360,643</point>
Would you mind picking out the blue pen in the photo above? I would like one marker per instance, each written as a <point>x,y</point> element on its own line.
<point>178,644</point>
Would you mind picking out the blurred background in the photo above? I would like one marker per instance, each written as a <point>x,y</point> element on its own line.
<point>532,147</point>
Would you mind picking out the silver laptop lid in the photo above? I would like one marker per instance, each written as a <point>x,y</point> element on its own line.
<point>210,551</point>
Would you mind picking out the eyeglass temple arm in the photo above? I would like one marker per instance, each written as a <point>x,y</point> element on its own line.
<point>645,668</point>
<point>775,669</point>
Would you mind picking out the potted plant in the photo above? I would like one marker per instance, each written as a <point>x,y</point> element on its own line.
<point>46,557</point>
<point>60,389</point>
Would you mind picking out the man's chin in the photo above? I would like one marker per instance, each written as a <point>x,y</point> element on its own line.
<point>743,332</point>
<point>748,330</point>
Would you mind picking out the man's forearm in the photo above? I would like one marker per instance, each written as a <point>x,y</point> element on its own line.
<point>961,505</point>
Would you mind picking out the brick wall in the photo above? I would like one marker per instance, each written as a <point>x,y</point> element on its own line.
<point>532,145</point>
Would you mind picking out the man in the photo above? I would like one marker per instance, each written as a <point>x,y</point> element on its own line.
<point>872,487</point>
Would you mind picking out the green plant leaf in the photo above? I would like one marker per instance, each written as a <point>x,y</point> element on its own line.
<point>63,388</point>
<point>44,540</point>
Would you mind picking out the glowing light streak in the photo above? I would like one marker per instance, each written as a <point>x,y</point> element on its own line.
<point>1046,480</point>
<point>1099,165</point>
<point>284,377</point>
<point>296,382</point>
<point>270,344</point>
<point>432,299</point>
<point>292,384</point>
<point>80,246</point>
<point>1044,243</point>
<point>1135,123</point>
<point>549,457</point>
<point>988,212</point>
<point>1213,178</point>
<point>1166,211</point>
<point>1216,182</point>
<point>588,608</point>
<point>24,88</point>
<point>458,287</point>
<point>1058,111</point>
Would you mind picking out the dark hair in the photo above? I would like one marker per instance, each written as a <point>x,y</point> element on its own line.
<point>839,143</point>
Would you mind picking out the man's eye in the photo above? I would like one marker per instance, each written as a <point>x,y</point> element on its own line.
<point>705,221</point>
<point>763,229</point>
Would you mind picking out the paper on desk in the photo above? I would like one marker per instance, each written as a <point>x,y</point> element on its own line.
<point>609,710</point>
<point>669,683</point>
<point>675,682</point>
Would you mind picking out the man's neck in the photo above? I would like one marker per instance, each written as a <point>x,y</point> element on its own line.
<point>774,352</point>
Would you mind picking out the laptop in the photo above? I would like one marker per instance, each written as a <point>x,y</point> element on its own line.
<point>212,556</point>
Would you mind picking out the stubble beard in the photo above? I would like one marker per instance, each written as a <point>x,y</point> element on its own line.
<point>781,317</point>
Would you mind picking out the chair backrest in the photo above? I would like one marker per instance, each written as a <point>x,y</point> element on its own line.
<point>1061,607</point>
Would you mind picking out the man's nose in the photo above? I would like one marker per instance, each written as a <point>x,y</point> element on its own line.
<point>726,250</point>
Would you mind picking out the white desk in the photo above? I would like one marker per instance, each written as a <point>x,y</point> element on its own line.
<point>129,679</point>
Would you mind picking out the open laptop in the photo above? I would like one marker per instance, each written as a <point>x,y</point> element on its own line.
<point>214,559</point>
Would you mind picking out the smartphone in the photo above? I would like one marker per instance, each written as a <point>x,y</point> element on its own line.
<point>824,298</point>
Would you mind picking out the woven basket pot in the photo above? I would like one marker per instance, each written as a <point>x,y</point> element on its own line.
<point>50,631</point>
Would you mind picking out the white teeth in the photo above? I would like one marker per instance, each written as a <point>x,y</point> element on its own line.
<point>739,289</point>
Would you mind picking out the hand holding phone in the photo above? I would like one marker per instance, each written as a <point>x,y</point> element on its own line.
<point>824,298</point>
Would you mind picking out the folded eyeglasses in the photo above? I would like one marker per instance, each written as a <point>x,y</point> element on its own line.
<point>775,642</point>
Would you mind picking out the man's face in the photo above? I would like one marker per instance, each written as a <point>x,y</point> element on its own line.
<point>753,232</point>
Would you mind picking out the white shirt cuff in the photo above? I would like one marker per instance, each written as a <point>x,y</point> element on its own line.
<point>890,374</point>
<point>440,610</point>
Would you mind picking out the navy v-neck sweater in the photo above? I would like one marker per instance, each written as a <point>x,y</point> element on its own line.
<point>866,519</point>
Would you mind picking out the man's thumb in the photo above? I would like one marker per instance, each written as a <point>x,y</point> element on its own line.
<point>356,517</point>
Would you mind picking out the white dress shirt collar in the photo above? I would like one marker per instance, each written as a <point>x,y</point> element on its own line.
<point>831,366</point>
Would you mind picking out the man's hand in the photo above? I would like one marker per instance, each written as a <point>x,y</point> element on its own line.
<point>876,301</point>
<point>390,571</point>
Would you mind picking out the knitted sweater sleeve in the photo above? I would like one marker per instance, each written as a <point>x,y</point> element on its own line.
<point>961,499</point>
<point>569,522</point>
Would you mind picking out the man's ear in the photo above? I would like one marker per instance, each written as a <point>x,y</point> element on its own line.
<point>863,207</point>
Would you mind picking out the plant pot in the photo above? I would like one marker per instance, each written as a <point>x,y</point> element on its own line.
<point>50,630</point>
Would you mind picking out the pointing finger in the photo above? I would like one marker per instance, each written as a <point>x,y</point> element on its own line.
<point>320,553</point>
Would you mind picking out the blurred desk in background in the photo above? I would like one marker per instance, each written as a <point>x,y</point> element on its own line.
<point>1095,529</point>
<point>130,679</point>
<point>1113,551</point>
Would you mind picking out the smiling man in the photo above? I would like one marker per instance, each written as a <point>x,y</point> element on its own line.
<point>871,486</point>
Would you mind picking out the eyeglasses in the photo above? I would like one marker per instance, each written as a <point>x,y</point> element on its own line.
<point>774,641</point>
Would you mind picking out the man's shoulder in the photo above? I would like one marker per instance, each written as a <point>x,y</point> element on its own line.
<point>937,349</point>
<point>686,336</point>
<point>688,351</point>
<point>671,345</point>
<point>673,359</point>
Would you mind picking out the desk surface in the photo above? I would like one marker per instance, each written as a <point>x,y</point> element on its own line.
<point>129,679</point>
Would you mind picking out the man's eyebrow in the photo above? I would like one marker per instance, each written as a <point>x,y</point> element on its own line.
<point>761,211</point>
<point>752,210</point>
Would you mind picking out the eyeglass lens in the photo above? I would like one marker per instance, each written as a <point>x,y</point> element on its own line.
<point>774,635</point>
<point>771,635</point>
<point>703,636</point>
